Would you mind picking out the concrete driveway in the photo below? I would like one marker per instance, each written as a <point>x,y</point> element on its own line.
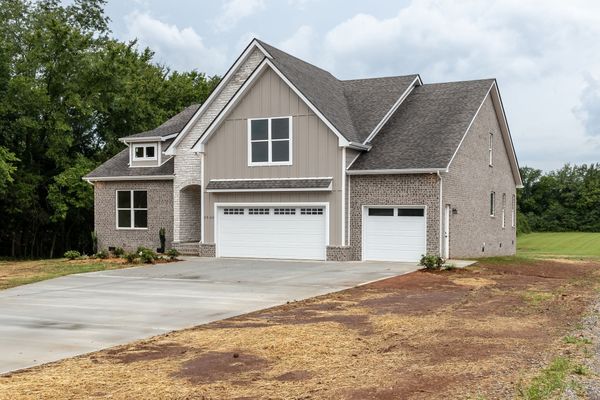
<point>77,314</point>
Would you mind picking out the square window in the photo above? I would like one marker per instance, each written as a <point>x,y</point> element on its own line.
<point>150,152</point>
<point>260,152</point>
<point>139,152</point>
<point>260,129</point>
<point>280,128</point>
<point>124,219</point>
<point>124,199</point>
<point>140,199</point>
<point>140,218</point>
<point>280,151</point>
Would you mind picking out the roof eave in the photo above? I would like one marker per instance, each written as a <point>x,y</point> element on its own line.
<point>396,171</point>
<point>91,179</point>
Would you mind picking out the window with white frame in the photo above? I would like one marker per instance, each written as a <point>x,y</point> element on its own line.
<point>492,204</point>
<point>270,141</point>
<point>143,152</point>
<point>513,216</point>
<point>491,149</point>
<point>132,209</point>
<point>503,210</point>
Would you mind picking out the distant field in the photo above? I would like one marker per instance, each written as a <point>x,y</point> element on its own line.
<point>584,244</point>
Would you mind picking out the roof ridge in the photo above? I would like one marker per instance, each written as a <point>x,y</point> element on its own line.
<point>378,77</point>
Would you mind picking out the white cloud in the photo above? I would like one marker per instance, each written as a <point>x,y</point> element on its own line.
<point>588,111</point>
<point>180,48</point>
<point>300,43</point>
<point>235,10</point>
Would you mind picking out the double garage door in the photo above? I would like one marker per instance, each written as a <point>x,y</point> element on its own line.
<point>272,232</point>
<point>394,233</point>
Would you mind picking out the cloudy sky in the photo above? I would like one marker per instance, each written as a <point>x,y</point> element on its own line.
<point>545,54</point>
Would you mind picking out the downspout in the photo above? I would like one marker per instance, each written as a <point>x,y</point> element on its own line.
<point>440,250</point>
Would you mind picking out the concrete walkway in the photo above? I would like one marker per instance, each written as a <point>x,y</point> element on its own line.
<point>77,314</point>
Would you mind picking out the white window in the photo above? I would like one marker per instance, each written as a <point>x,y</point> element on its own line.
<point>491,149</point>
<point>144,152</point>
<point>492,204</point>
<point>513,211</point>
<point>270,141</point>
<point>132,209</point>
<point>503,210</point>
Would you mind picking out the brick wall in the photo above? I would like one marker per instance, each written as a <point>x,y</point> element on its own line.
<point>394,190</point>
<point>160,214</point>
<point>188,164</point>
<point>467,187</point>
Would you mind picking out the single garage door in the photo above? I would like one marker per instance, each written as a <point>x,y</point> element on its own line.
<point>272,232</point>
<point>394,233</point>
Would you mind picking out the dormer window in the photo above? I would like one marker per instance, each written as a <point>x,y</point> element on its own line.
<point>144,152</point>
<point>270,141</point>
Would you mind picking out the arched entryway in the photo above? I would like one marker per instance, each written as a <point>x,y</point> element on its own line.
<point>189,211</point>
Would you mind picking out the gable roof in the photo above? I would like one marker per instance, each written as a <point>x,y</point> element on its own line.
<point>354,107</point>
<point>172,126</point>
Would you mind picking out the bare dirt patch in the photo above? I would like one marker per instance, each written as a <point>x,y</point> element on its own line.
<point>465,334</point>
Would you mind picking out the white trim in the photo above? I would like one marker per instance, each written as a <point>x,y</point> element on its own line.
<point>492,203</point>
<point>363,217</point>
<point>202,198</point>
<point>171,150</point>
<point>144,146</point>
<point>396,171</point>
<point>148,138</point>
<point>491,148</point>
<point>132,210</point>
<point>343,212</point>
<point>216,207</point>
<point>270,179</point>
<point>327,189</point>
<point>446,242</point>
<point>130,178</point>
<point>440,207</point>
<point>269,141</point>
<point>392,110</point>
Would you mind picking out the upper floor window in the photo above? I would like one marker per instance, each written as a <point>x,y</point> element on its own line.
<point>492,204</point>
<point>491,149</point>
<point>503,210</point>
<point>132,209</point>
<point>143,152</point>
<point>270,141</point>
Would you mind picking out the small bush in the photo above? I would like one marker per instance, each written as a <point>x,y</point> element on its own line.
<point>102,254</point>
<point>432,261</point>
<point>72,254</point>
<point>131,257</point>
<point>119,252</point>
<point>172,253</point>
<point>146,255</point>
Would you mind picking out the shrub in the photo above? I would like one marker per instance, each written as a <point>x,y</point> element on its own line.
<point>72,254</point>
<point>102,254</point>
<point>163,238</point>
<point>119,252</point>
<point>172,253</point>
<point>131,257</point>
<point>94,236</point>
<point>146,255</point>
<point>431,261</point>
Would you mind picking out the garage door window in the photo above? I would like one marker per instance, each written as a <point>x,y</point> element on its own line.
<point>233,211</point>
<point>381,212</point>
<point>311,211</point>
<point>285,211</point>
<point>411,212</point>
<point>258,211</point>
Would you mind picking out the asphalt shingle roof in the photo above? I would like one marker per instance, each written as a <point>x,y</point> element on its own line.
<point>119,166</point>
<point>173,125</point>
<point>309,183</point>
<point>354,107</point>
<point>427,128</point>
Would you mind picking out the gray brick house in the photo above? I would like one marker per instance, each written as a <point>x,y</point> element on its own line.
<point>284,160</point>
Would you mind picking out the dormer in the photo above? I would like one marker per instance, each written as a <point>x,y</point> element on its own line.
<point>145,154</point>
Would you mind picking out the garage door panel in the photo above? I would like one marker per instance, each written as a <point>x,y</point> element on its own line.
<point>394,237</point>
<point>288,234</point>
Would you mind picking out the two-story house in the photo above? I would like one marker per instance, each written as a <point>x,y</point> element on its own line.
<point>284,160</point>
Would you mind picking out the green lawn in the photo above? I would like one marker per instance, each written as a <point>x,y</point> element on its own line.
<point>20,272</point>
<point>569,244</point>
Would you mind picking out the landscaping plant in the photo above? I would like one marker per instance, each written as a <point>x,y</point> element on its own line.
<point>172,253</point>
<point>72,254</point>
<point>102,254</point>
<point>146,255</point>
<point>163,239</point>
<point>94,242</point>
<point>431,261</point>
<point>119,252</point>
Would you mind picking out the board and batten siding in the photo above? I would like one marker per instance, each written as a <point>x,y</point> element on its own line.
<point>315,153</point>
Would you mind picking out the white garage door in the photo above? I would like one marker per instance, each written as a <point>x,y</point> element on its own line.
<point>394,234</point>
<point>272,232</point>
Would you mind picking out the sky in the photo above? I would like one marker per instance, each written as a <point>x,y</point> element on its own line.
<point>544,54</point>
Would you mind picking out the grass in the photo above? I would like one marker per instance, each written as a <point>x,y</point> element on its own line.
<point>550,381</point>
<point>15,273</point>
<point>559,244</point>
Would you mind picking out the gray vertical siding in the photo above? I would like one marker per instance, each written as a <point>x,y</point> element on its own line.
<point>315,152</point>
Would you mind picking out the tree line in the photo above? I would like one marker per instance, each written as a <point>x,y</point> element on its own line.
<point>567,199</point>
<point>68,91</point>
